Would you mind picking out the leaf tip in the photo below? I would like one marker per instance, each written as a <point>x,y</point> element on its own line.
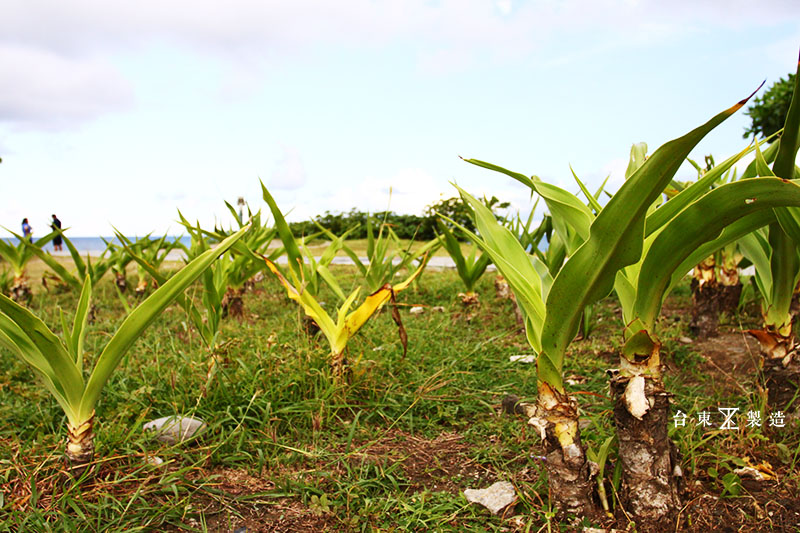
<point>744,101</point>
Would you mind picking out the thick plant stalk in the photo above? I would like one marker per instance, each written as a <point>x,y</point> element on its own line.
<point>338,366</point>
<point>121,281</point>
<point>141,288</point>
<point>20,291</point>
<point>80,447</point>
<point>780,364</point>
<point>730,287</point>
<point>233,304</point>
<point>569,473</point>
<point>649,491</point>
<point>705,296</point>
<point>469,299</point>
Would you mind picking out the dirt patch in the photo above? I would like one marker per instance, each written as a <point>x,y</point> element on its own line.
<point>768,507</point>
<point>730,362</point>
<point>440,464</point>
<point>281,516</point>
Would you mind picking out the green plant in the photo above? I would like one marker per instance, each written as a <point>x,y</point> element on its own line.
<point>93,270</point>
<point>469,268</point>
<point>385,254</point>
<point>231,276</point>
<point>17,257</point>
<point>304,291</point>
<point>600,249</point>
<point>60,363</point>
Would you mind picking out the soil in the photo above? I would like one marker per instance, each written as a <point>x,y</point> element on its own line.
<point>730,362</point>
<point>441,464</point>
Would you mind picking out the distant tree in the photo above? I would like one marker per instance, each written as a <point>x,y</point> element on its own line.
<point>416,227</point>
<point>768,112</point>
<point>458,211</point>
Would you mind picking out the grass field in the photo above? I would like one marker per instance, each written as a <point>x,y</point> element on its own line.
<point>287,449</point>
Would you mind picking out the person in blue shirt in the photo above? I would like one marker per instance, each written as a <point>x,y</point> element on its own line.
<point>27,230</point>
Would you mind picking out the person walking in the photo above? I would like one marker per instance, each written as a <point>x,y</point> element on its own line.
<point>57,242</point>
<point>27,230</point>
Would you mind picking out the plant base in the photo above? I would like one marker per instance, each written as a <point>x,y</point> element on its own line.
<point>233,304</point>
<point>20,292</point>
<point>705,309</point>
<point>80,447</point>
<point>649,490</point>
<point>569,474</point>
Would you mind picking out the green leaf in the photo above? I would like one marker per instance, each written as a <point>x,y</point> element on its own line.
<point>143,316</point>
<point>32,337</point>
<point>784,166</point>
<point>285,234</point>
<point>568,212</point>
<point>513,263</point>
<point>593,203</point>
<point>703,221</point>
<point>787,153</point>
<point>75,339</point>
<point>615,241</point>
<point>56,267</point>
<point>667,212</point>
<point>637,158</point>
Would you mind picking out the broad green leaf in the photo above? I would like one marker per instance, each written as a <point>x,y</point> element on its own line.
<point>703,221</point>
<point>285,234</point>
<point>755,247</point>
<point>75,339</point>
<point>16,341</point>
<point>784,166</point>
<point>28,332</point>
<point>513,263</point>
<point>675,205</point>
<point>56,267</point>
<point>785,266</point>
<point>568,212</point>
<point>141,317</point>
<point>615,241</point>
<point>637,158</point>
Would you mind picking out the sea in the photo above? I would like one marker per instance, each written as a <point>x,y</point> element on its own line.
<point>95,246</point>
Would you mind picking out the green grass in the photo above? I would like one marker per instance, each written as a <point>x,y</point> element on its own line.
<point>286,446</point>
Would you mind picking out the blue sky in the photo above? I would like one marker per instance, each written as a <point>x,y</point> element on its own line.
<point>121,114</point>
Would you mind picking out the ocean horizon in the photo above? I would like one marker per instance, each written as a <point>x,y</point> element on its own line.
<point>94,245</point>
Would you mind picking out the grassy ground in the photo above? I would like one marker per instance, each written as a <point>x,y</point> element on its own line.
<point>286,449</point>
<point>359,246</point>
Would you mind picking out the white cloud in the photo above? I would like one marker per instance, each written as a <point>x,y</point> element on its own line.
<point>504,6</point>
<point>289,173</point>
<point>57,58</point>
<point>39,89</point>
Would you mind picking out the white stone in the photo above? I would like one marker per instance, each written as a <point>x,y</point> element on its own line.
<point>173,429</point>
<point>495,498</point>
<point>522,358</point>
<point>416,310</point>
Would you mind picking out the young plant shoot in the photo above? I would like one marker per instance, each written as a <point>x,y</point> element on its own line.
<point>60,363</point>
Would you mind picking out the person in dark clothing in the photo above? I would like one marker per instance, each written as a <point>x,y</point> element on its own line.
<point>57,239</point>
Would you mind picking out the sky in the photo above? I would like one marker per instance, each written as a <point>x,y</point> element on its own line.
<point>117,114</point>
